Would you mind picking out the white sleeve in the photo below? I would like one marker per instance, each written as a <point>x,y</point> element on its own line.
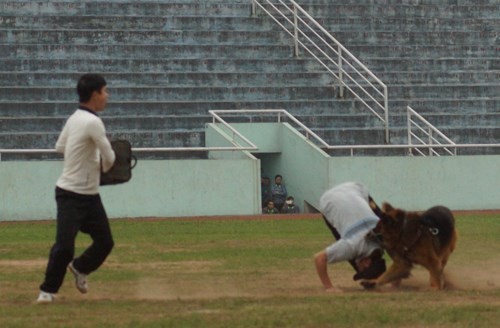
<point>98,134</point>
<point>340,250</point>
<point>61,141</point>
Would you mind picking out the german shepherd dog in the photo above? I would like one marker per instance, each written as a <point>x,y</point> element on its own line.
<point>410,238</point>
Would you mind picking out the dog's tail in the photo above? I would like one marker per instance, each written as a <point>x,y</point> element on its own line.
<point>441,223</point>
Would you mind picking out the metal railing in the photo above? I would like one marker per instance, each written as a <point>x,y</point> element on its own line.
<point>421,132</point>
<point>236,138</point>
<point>280,113</point>
<point>411,148</point>
<point>348,71</point>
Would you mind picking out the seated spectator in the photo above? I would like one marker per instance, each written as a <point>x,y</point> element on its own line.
<point>290,207</point>
<point>278,192</point>
<point>270,209</point>
<point>265,188</point>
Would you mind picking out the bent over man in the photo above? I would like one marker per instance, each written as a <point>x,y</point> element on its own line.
<point>347,213</point>
<point>85,146</point>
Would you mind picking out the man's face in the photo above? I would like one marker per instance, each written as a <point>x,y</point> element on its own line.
<point>277,180</point>
<point>363,263</point>
<point>100,99</point>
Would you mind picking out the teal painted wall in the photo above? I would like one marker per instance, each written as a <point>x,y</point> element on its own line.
<point>172,188</point>
<point>416,183</point>
<point>231,185</point>
<point>413,183</point>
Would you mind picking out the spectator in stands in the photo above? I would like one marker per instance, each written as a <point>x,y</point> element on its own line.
<point>270,209</point>
<point>290,207</point>
<point>348,215</point>
<point>86,148</point>
<point>279,192</point>
<point>265,189</point>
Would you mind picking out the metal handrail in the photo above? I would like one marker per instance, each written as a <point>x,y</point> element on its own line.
<point>311,136</point>
<point>430,132</point>
<point>308,132</point>
<point>369,91</point>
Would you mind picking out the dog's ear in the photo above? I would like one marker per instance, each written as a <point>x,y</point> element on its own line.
<point>386,207</point>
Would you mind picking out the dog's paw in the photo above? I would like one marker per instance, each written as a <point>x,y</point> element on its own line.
<point>368,284</point>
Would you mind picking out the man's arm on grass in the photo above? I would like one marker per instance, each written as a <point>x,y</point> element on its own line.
<point>321,262</point>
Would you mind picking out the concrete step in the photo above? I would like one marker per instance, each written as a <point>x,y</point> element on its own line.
<point>423,106</point>
<point>133,37</point>
<point>178,122</point>
<point>439,77</point>
<point>155,53</point>
<point>188,79</point>
<point>155,65</point>
<point>408,24</point>
<point>41,94</point>
<point>381,64</point>
<point>140,23</point>
<point>456,91</point>
<point>238,23</point>
<point>125,8</point>
<point>33,140</point>
<point>422,50</point>
<point>245,78</point>
<point>348,38</point>
<point>452,120</point>
<point>439,90</point>
<point>406,2</point>
<point>139,108</point>
<point>186,37</point>
<point>319,9</point>
<point>134,124</point>
<point>383,9</point>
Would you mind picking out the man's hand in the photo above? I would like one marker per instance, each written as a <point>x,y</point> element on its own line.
<point>334,290</point>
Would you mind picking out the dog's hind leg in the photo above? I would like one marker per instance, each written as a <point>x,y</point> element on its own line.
<point>435,269</point>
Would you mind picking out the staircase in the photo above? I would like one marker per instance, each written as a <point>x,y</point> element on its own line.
<point>441,57</point>
<point>168,62</point>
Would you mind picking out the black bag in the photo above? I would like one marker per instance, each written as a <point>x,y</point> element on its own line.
<point>121,171</point>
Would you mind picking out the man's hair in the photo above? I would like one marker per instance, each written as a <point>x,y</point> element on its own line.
<point>87,84</point>
<point>376,268</point>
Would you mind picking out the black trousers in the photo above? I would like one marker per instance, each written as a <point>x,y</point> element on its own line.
<point>76,212</point>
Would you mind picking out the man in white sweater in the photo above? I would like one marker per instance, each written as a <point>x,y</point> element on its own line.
<point>347,213</point>
<point>85,147</point>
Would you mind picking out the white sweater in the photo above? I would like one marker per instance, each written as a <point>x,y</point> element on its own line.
<point>346,208</point>
<point>83,142</point>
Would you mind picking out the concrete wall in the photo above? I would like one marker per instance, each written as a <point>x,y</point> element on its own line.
<point>413,183</point>
<point>230,184</point>
<point>417,183</point>
<point>158,188</point>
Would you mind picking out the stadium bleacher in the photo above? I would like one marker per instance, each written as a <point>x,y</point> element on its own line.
<point>169,62</point>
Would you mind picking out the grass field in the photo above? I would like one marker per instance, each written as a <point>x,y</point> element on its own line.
<point>241,273</point>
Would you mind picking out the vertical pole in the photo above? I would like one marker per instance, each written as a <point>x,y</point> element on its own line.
<point>254,8</point>
<point>295,31</point>
<point>408,122</point>
<point>341,74</point>
<point>386,115</point>
<point>430,142</point>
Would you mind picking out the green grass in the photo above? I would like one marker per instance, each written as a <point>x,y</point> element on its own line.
<point>240,273</point>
